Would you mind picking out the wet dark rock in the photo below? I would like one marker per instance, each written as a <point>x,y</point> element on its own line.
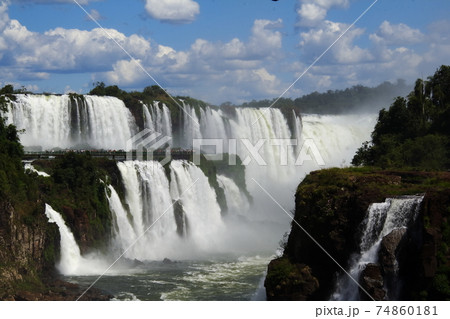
<point>371,280</point>
<point>289,281</point>
<point>167,261</point>
<point>390,248</point>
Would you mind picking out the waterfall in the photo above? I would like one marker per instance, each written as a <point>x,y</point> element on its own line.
<point>29,166</point>
<point>170,217</point>
<point>71,261</point>
<point>62,121</point>
<point>382,219</point>
<point>336,139</point>
<point>157,118</point>
<point>187,221</point>
<point>237,202</point>
<point>85,122</point>
<point>70,253</point>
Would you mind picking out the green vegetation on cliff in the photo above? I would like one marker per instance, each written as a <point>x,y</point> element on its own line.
<point>414,132</point>
<point>77,189</point>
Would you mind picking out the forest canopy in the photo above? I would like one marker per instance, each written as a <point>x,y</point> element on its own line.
<point>415,131</point>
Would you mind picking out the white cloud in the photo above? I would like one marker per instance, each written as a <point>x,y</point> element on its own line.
<point>313,12</point>
<point>389,54</point>
<point>396,34</point>
<point>238,69</point>
<point>310,14</point>
<point>173,11</point>
<point>207,66</point>
<point>126,72</point>
<point>94,14</point>
<point>315,41</point>
<point>67,49</point>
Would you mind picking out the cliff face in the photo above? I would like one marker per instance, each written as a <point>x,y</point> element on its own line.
<point>28,250</point>
<point>331,204</point>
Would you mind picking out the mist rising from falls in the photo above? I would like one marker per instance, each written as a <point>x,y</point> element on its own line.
<point>337,136</point>
<point>382,219</point>
<point>52,121</point>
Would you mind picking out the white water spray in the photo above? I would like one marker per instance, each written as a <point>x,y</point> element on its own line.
<point>29,166</point>
<point>382,218</point>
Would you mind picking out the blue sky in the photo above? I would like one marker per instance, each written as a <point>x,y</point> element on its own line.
<point>220,50</point>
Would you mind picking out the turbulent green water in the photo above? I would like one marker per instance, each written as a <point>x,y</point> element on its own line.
<point>233,279</point>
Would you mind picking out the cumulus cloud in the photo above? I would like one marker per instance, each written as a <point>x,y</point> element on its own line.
<point>213,68</point>
<point>173,11</point>
<point>65,50</point>
<point>313,12</point>
<point>317,40</point>
<point>392,51</point>
<point>396,34</point>
<point>238,69</point>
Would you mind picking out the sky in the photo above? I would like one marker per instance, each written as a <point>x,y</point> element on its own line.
<point>220,50</point>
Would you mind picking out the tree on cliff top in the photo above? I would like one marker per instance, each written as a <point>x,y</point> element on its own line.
<point>414,132</point>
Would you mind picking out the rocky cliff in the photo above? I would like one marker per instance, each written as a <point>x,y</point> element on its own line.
<point>29,244</point>
<point>28,249</point>
<point>331,205</point>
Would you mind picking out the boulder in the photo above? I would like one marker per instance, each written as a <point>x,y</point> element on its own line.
<point>289,281</point>
<point>371,280</point>
<point>390,248</point>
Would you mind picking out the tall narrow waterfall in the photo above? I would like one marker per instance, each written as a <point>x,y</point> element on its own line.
<point>381,220</point>
<point>71,262</point>
<point>70,253</point>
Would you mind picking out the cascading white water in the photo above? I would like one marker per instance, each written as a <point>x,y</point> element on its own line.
<point>157,119</point>
<point>172,218</point>
<point>52,121</point>
<point>248,126</point>
<point>70,253</point>
<point>237,202</point>
<point>382,218</point>
<point>71,262</point>
<point>281,164</point>
<point>336,139</point>
<point>29,166</point>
